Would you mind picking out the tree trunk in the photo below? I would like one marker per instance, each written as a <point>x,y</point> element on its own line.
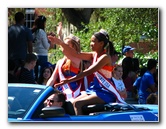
<point>78,16</point>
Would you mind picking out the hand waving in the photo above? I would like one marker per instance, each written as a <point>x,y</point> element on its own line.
<point>59,29</point>
<point>54,40</point>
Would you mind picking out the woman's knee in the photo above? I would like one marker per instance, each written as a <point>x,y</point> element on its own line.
<point>78,104</point>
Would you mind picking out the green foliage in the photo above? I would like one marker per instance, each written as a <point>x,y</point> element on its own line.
<point>54,16</point>
<point>143,58</point>
<point>11,14</point>
<point>124,26</point>
<point>55,55</point>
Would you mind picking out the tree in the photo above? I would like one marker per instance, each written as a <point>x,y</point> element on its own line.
<point>78,16</point>
<point>124,25</point>
<point>11,14</point>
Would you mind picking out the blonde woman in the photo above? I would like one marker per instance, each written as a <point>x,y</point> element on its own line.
<point>66,67</point>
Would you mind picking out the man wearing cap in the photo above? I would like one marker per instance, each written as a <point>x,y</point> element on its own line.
<point>129,72</point>
<point>127,52</point>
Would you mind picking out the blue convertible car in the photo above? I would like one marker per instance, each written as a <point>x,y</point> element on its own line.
<point>25,104</point>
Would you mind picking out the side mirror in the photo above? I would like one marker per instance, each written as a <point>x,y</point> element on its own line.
<point>52,112</point>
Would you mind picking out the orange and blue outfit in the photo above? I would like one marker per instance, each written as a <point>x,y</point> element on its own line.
<point>66,70</point>
<point>103,85</point>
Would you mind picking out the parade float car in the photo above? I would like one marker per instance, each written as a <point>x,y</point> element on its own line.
<point>25,104</point>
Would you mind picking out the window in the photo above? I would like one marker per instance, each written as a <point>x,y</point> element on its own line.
<point>29,17</point>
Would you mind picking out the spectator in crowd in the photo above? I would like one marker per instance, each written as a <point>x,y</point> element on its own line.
<point>102,91</point>
<point>152,99</point>
<point>155,75</point>
<point>115,57</point>
<point>57,99</point>
<point>129,75</point>
<point>137,82</point>
<point>127,51</point>
<point>129,70</point>
<point>26,75</point>
<point>45,75</point>
<point>147,85</point>
<point>118,81</point>
<point>11,68</point>
<point>136,67</point>
<point>19,41</point>
<point>41,44</point>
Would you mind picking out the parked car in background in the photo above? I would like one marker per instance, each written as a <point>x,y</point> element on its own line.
<point>26,104</point>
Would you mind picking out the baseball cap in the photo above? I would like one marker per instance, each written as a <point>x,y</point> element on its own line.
<point>127,48</point>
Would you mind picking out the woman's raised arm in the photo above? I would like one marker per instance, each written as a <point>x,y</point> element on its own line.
<point>70,51</point>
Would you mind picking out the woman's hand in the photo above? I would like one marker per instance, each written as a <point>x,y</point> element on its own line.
<point>54,40</point>
<point>59,29</point>
<point>51,34</point>
<point>61,83</point>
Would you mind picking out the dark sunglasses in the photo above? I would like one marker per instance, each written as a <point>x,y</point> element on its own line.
<point>50,100</point>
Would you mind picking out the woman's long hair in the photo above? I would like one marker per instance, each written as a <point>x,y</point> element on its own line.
<point>39,23</point>
<point>41,78</point>
<point>102,35</point>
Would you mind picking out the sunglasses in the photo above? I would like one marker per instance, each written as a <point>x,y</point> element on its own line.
<point>50,100</point>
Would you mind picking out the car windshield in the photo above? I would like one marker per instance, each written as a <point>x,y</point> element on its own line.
<point>20,100</point>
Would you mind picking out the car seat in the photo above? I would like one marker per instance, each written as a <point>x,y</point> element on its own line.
<point>69,109</point>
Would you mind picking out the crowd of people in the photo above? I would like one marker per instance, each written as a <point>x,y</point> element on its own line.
<point>84,78</point>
